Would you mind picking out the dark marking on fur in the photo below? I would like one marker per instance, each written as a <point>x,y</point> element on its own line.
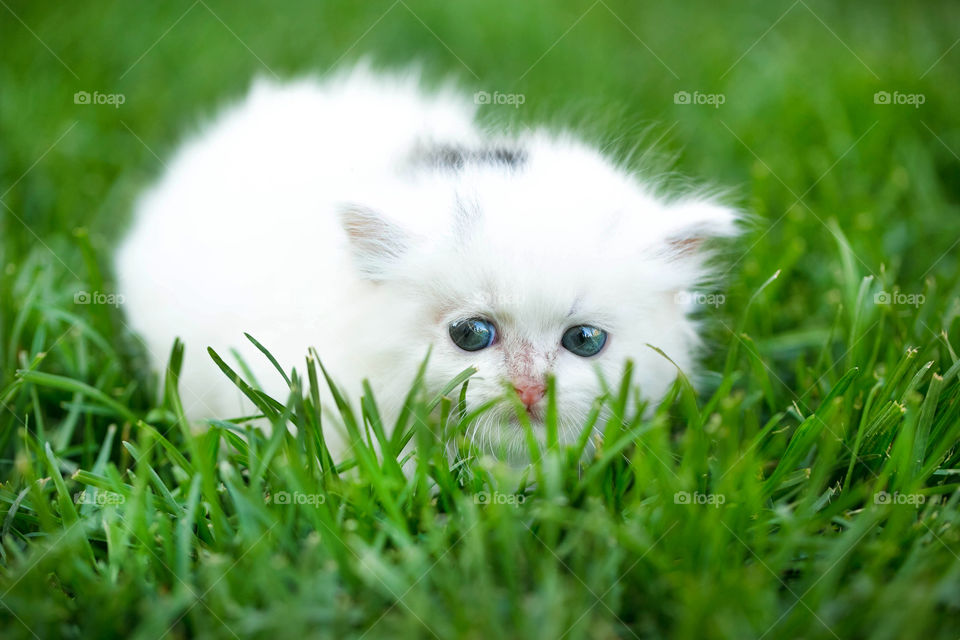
<point>456,157</point>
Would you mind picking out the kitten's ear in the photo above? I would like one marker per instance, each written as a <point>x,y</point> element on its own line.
<point>376,243</point>
<point>688,223</point>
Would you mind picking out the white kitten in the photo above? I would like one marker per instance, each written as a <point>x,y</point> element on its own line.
<point>370,219</point>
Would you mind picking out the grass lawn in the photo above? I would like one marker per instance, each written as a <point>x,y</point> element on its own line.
<point>809,487</point>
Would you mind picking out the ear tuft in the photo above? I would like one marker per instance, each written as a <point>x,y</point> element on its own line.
<point>691,222</point>
<point>376,243</point>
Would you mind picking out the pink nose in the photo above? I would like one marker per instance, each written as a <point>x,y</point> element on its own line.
<point>530,392</point>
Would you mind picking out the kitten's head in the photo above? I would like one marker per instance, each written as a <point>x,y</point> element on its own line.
<point>534,261</point>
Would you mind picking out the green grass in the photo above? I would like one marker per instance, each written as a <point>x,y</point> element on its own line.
<point>821,403</point>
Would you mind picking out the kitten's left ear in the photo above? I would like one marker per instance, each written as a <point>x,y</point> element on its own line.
<point>688,223</point>
<point>376,243</point>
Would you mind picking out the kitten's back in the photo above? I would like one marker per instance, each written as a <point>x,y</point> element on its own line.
<point>244,214</point>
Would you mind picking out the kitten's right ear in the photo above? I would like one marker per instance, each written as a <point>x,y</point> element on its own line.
<point>375,242</point>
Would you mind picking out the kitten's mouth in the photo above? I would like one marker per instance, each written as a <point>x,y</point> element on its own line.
<point>535,415</point>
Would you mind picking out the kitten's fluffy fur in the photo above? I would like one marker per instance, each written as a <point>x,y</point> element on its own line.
<point>362,215</point>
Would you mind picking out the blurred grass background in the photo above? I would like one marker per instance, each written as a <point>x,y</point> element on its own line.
<point>840,188</point>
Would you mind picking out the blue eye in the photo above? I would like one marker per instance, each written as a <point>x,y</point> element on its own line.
<point>584,340</point>
<point>472,334</point>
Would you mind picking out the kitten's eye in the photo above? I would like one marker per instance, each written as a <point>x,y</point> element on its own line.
<point>472,334</point>
<point>584,340</point>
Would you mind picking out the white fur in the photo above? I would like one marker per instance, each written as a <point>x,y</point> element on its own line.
<point>244,232</point>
